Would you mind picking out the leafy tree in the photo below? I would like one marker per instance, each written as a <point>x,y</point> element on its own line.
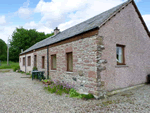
<point>23,39</point>
<point>3,50</point>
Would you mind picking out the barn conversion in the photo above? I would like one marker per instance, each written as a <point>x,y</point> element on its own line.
<point>104,53</point>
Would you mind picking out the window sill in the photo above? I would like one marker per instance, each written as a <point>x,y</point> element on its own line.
<point>69,72</point>
<point>120,66</point>
<point>53,70</point>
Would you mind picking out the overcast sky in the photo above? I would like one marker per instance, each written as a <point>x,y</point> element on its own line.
<point>45,15</point>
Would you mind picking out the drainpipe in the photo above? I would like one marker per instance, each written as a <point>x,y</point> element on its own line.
<point>25,63</point>
<point>47,62</point>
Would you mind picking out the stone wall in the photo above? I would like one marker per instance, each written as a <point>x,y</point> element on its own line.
<point>39,53</point>
<point>84,75</point>
<point>100,67</point>
<point>29,68</point>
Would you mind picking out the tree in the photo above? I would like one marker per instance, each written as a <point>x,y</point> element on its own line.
<point>3,50</point>
<point>23,39</point>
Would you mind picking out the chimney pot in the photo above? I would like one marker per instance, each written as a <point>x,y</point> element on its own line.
<point>56,31</point>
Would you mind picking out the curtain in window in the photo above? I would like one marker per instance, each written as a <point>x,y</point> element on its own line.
<point>119,55</point>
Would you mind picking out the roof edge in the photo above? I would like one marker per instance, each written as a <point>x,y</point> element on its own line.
<point>61,40</point>
<point>112,15</point>
<point>137,10</point>
<point>141,18</point>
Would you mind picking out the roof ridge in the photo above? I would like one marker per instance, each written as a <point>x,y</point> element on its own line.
<point>79,28</point>
<point>96,15</point>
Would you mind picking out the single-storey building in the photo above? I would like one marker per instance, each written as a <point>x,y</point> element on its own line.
<point>104,53</point>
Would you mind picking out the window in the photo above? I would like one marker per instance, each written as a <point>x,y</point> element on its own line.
<point>69,62</point>
<point>53,62</point>
<point>29,60</point>
<point>23,61</point>
<point>43,62</point>
<point>35,61</point>
<point>120,55</point>
<point>20,59</point>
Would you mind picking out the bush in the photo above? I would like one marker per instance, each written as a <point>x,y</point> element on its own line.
<point>60,88</point>
<point>57,87</point>
<point>16,68</point>
<point>35,68</point>
<point>59,92</point>
<point>89,96</point>
<point>75,94</point>
<point>27,73</point>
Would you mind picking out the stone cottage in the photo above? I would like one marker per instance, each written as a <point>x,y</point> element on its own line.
<point>107,52</point>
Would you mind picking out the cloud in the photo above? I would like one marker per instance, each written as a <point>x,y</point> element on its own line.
<point>65,13</point>
<point>147,20</point>
<point>6,31</point>
<point>38,26</point>
<point>25,12</point>
<point>2,20</point>
<point>60,13</point>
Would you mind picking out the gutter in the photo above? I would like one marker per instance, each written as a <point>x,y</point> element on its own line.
<point>25,63</point>
<point>47,62</point>
<point>96,27</point>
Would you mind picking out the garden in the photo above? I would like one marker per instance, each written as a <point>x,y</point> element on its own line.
<point>60,88</point>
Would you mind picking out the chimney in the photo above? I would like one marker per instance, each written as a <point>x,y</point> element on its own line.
<point>56,31</point>
<point>21,50</point>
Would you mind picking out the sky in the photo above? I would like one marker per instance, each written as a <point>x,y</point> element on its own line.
<point>45,15</point>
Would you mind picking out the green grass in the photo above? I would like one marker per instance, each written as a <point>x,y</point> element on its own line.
<point>12,65</point>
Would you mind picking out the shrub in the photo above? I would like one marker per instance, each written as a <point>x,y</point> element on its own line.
<point>75,94</point>
<point>16,68</point>
<point>89,96</point>
<point>27,73</point>
<point>22,72</point>
<point>47,80</point>
<point>35,68</point>
<point>57,87</point>
<point>59,92</point>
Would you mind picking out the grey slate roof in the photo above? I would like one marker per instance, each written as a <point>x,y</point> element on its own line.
<point>87,25</point>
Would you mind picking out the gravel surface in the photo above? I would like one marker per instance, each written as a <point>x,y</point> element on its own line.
<point>19,95</point>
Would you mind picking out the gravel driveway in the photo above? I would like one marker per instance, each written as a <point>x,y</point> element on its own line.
<point>19,94</point>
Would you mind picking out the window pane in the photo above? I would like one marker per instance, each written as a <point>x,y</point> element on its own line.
<point>43,62</point>
<point>35,59</point>
<point>69,62</point>
<point>54,61</point>
<point>29,61</point>
<point>23,61</point>
<point>119,55</point>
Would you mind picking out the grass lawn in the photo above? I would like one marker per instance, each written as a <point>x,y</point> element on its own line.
<point>12,65</point>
